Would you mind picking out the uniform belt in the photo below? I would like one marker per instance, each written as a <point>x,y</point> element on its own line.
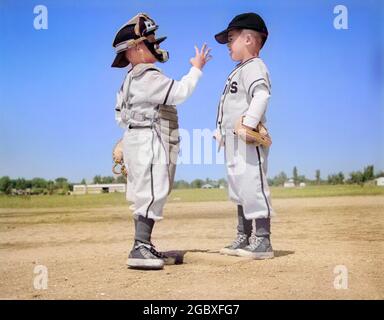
<point>139,127</point>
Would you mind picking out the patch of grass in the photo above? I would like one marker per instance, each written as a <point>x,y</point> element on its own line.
<point>192,195</point>
<point>327,191</point>
<point>180,195</point>
<point>54,201</point>
<point>198,195</point>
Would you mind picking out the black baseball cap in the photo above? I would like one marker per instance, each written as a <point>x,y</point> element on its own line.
<point>248,20</point>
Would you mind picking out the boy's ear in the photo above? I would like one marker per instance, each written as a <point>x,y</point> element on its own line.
<point>248,38</point>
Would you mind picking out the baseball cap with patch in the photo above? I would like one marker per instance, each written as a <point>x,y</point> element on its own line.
<point>140,28</point>
<point>249,20</point>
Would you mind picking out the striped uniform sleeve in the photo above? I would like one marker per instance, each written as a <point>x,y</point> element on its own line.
<point>257,107</point>
<point>162,90</point>
<point>256,83</point>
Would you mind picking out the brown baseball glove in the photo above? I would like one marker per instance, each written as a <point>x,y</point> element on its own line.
<point>258,136</point>
<point>118,158</point>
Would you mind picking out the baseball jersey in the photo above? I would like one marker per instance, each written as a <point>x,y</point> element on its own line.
<point>247,91</point>
<point>145,88</point>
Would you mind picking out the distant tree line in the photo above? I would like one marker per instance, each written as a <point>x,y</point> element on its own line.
<point>355,177</point>
<point>41,186</point>
<point>34,186</point>
<point>61,185</point>
<point>108,179</point>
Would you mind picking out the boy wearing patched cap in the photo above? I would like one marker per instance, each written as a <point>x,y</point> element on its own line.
<point>242,110</point>
<point>146,109</point>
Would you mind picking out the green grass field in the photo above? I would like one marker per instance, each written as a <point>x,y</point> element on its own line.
<point>180,195</point>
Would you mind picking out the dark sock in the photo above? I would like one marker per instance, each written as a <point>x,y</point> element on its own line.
<point>263,227</point>
<point>143,229</point>
<point>243,225</point>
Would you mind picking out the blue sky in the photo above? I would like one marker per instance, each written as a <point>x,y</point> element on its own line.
<point>57,90</point>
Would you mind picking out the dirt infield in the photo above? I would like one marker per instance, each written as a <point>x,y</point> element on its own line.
<point>85,252</point>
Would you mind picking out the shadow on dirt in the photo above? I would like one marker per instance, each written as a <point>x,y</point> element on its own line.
<point>282,253</point>
<point>178,255</point>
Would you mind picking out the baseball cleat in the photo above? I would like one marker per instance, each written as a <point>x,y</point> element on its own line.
<point>141,257</point>
<point>259,248</point>
<point>241,241</point>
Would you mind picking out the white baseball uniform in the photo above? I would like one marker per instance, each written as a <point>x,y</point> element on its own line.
<point>246,93</point>
<point>146,108</point>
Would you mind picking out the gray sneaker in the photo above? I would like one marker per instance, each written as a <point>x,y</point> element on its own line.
<point>142,257</point>
<point>241,241</point>
<point>258,248</point>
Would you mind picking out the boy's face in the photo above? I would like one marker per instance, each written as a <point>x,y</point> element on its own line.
<point>140,54</point>
<point>236,45</point>
<point>242,44</point>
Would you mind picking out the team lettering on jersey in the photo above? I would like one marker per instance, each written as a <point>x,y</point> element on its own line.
<point>231,87</point>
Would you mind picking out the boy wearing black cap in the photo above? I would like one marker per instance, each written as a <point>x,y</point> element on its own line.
<point>244,103</point>
<point>146,109</point>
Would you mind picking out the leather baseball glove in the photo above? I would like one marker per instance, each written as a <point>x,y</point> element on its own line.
<point>258,136</point>
<point>118,158</point>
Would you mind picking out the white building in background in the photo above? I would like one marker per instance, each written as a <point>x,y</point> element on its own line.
<point>99,188</point>
<point>380,182</point>
<point>289,184</point>
<point>302,184</point>
<point>207,186</point>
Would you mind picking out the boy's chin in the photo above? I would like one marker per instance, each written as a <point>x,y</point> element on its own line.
<point>234,58</point>
<point>150,60</point>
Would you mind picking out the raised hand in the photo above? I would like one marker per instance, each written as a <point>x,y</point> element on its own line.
<point>202,57</point>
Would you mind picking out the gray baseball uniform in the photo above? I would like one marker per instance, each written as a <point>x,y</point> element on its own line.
<point>246,93</point>
<point>146,108</point>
